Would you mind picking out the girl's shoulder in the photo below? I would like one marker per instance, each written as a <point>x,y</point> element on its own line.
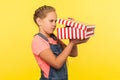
<point>38,39</point>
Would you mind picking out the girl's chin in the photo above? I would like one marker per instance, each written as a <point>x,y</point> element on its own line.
<point>50,32</point>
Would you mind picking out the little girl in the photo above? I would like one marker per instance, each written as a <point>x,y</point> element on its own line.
<point>51,53</point>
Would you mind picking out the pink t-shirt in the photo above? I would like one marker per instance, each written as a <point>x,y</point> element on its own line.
<point>38,45</point>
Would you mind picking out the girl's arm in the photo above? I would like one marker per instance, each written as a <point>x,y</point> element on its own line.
<point>56,61</point>
<point>74,51</point>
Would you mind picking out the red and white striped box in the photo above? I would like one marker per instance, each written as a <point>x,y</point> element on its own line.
<point>70,23</point>
<point>75,31</point>
<point>90,31</point>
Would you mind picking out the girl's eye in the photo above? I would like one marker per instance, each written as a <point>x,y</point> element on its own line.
<point>55,21</point>
<point>51,20</point>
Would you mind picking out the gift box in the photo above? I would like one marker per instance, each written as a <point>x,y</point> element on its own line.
<point>71,23</point>
<point>75,30</point>
<point>89,31</point>
<point>75,33</point>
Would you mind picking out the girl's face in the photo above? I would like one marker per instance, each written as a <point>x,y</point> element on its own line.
<point>48,24</point>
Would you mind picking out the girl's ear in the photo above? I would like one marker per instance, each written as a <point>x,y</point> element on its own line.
<point>39,22</point>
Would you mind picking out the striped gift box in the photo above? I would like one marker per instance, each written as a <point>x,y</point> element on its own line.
<point>89,31</point>
<point>75,31</point>
<point>70,23</point>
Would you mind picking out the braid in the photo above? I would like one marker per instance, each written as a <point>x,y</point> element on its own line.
<point>42,11</point>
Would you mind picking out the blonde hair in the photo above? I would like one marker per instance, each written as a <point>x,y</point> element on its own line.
<point>42,11</point>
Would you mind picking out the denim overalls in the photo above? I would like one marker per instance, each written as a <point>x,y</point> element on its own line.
<point>55,74</point>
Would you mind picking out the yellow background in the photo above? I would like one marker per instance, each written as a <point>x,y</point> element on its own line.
<point>98,59</point>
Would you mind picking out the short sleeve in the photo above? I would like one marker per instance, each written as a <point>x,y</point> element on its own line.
<point>39,44</point>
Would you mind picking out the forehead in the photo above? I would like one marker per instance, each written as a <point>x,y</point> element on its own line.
<point>51,15</point>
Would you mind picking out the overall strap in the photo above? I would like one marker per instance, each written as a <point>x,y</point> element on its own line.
<point>41,35</point>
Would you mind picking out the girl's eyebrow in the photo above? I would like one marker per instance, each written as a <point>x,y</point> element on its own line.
<point>53,20</point>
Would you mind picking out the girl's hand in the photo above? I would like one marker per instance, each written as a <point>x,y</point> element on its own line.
<point>78,41</point>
